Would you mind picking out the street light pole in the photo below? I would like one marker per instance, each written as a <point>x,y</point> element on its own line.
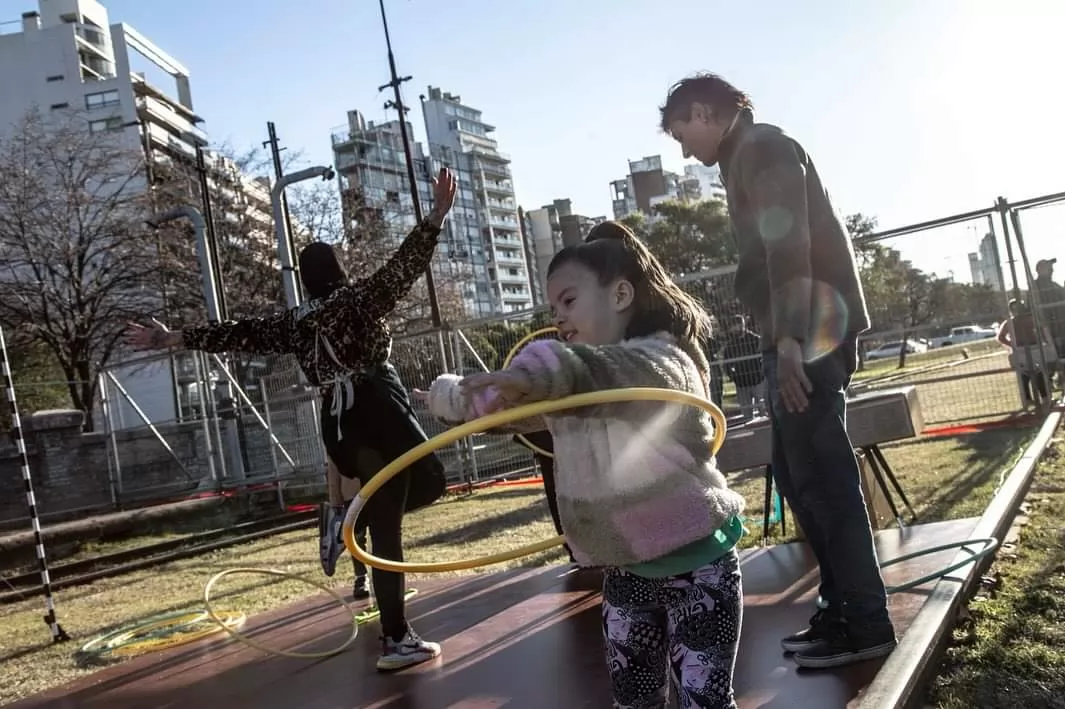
<point>397,103</point>
<point>284,239</point>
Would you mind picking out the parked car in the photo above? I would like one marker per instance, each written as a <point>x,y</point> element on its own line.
<point>965,333</point>
<point>891,349</point>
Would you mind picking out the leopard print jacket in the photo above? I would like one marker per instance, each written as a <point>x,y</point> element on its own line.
<point>343,335</point>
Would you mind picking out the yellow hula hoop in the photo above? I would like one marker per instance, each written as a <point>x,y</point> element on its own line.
<point>506,362</point>
<point>501,418</point>
<point>242,638</point>
<point>129,647</point>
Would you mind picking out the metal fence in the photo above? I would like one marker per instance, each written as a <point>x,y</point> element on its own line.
<point>174,425</point>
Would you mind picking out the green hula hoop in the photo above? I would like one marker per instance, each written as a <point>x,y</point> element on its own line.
<point>990,544</point>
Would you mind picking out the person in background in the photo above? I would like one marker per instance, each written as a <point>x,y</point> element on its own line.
<point>343,343</point>
<point>1018,334</point>
<point>712,348</point>
<point>1050,299</point>
<point>742,355</point>
<point>798,276</point>
<point>341,491</point>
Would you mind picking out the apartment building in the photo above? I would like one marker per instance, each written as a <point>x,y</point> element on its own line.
<point>648,184</point>
<point>68,56</point>
<point>549,229</point>
<point>374,182</point>
<point>487,218</point>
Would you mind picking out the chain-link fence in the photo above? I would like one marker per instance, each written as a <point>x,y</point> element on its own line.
<point>939,294</point>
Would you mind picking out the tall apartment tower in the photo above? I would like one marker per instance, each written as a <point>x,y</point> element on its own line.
<point>460,138</point>
<point>375,184</point>
<point>984,264</point>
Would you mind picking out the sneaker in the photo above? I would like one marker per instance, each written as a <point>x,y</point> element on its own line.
<point>330,523</point>
<point>844,647</point>
<point>411,650</point>
<point>822,627</point>
<point>360,592</point>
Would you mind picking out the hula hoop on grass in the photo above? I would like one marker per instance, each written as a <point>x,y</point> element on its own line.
<point>506,362</point>
<point>484,423</point>
<point>157,642</point>
<point>242,638</point>
<point>160,632</point>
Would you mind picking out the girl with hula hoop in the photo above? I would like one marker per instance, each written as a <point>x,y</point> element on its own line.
<point>343,345</point>
<point>639,492</point>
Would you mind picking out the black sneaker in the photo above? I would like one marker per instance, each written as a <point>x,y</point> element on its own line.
<point>823,626</point>
<point>844,647</point>
<point>360,592</point>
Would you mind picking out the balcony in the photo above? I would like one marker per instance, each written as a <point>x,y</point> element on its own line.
<point>495,170</point>
<point>171,144</point>
<point>495,187</point>
<point>504,260</point>
<point>92,41</point>
<point>497,222</point>
<point>159,112</point>
<point>490,154</point>
<point>506,206</point>
<point>506,277</point>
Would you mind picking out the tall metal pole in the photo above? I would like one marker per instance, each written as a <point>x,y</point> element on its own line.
<point>275,154</point>
<point>212,238</point>
<point>397,103</point>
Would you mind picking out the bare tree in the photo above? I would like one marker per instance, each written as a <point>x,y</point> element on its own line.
<point>242,229</point>
<point>76,258</point>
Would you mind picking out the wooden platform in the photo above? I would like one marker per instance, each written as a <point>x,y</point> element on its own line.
<point>520,640</point>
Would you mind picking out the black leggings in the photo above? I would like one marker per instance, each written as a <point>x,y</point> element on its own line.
<point>542,439</point>
<point>378,429</point>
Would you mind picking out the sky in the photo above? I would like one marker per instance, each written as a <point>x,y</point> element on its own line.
<point>911,109</point>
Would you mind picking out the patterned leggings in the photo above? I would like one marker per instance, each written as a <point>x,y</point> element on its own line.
<point>684,627</point>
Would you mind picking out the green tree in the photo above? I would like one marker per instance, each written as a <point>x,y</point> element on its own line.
<point>687,237</point>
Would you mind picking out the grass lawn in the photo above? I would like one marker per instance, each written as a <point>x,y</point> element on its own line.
<point>1010,652</point>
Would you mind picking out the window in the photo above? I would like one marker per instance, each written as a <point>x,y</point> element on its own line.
<point>113,123</point>
<point>57,106</point>
<point>102,99</point>
<point>55,77</point>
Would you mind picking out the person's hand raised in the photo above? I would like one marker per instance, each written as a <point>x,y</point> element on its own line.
<point>444,188</point>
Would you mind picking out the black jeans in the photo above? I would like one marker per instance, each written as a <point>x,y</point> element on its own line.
<point>816,471</point>
<point>379,428</point>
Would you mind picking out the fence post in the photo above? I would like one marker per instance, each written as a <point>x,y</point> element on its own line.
<point>269,434</point>
<point>198,362</point>
<point>114,464</point>
<point>58,634</point>
<point>1037,314</point>
<point>1003,206</point>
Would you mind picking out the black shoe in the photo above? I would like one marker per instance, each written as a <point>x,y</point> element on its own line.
<point>845,647</point>
<point>823,626</point>
<point>360,592</point>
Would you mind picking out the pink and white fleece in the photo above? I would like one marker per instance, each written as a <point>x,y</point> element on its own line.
<point>635,481</point>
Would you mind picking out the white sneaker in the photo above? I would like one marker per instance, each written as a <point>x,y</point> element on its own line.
<point>411,650</point>
<point>331,547</point>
